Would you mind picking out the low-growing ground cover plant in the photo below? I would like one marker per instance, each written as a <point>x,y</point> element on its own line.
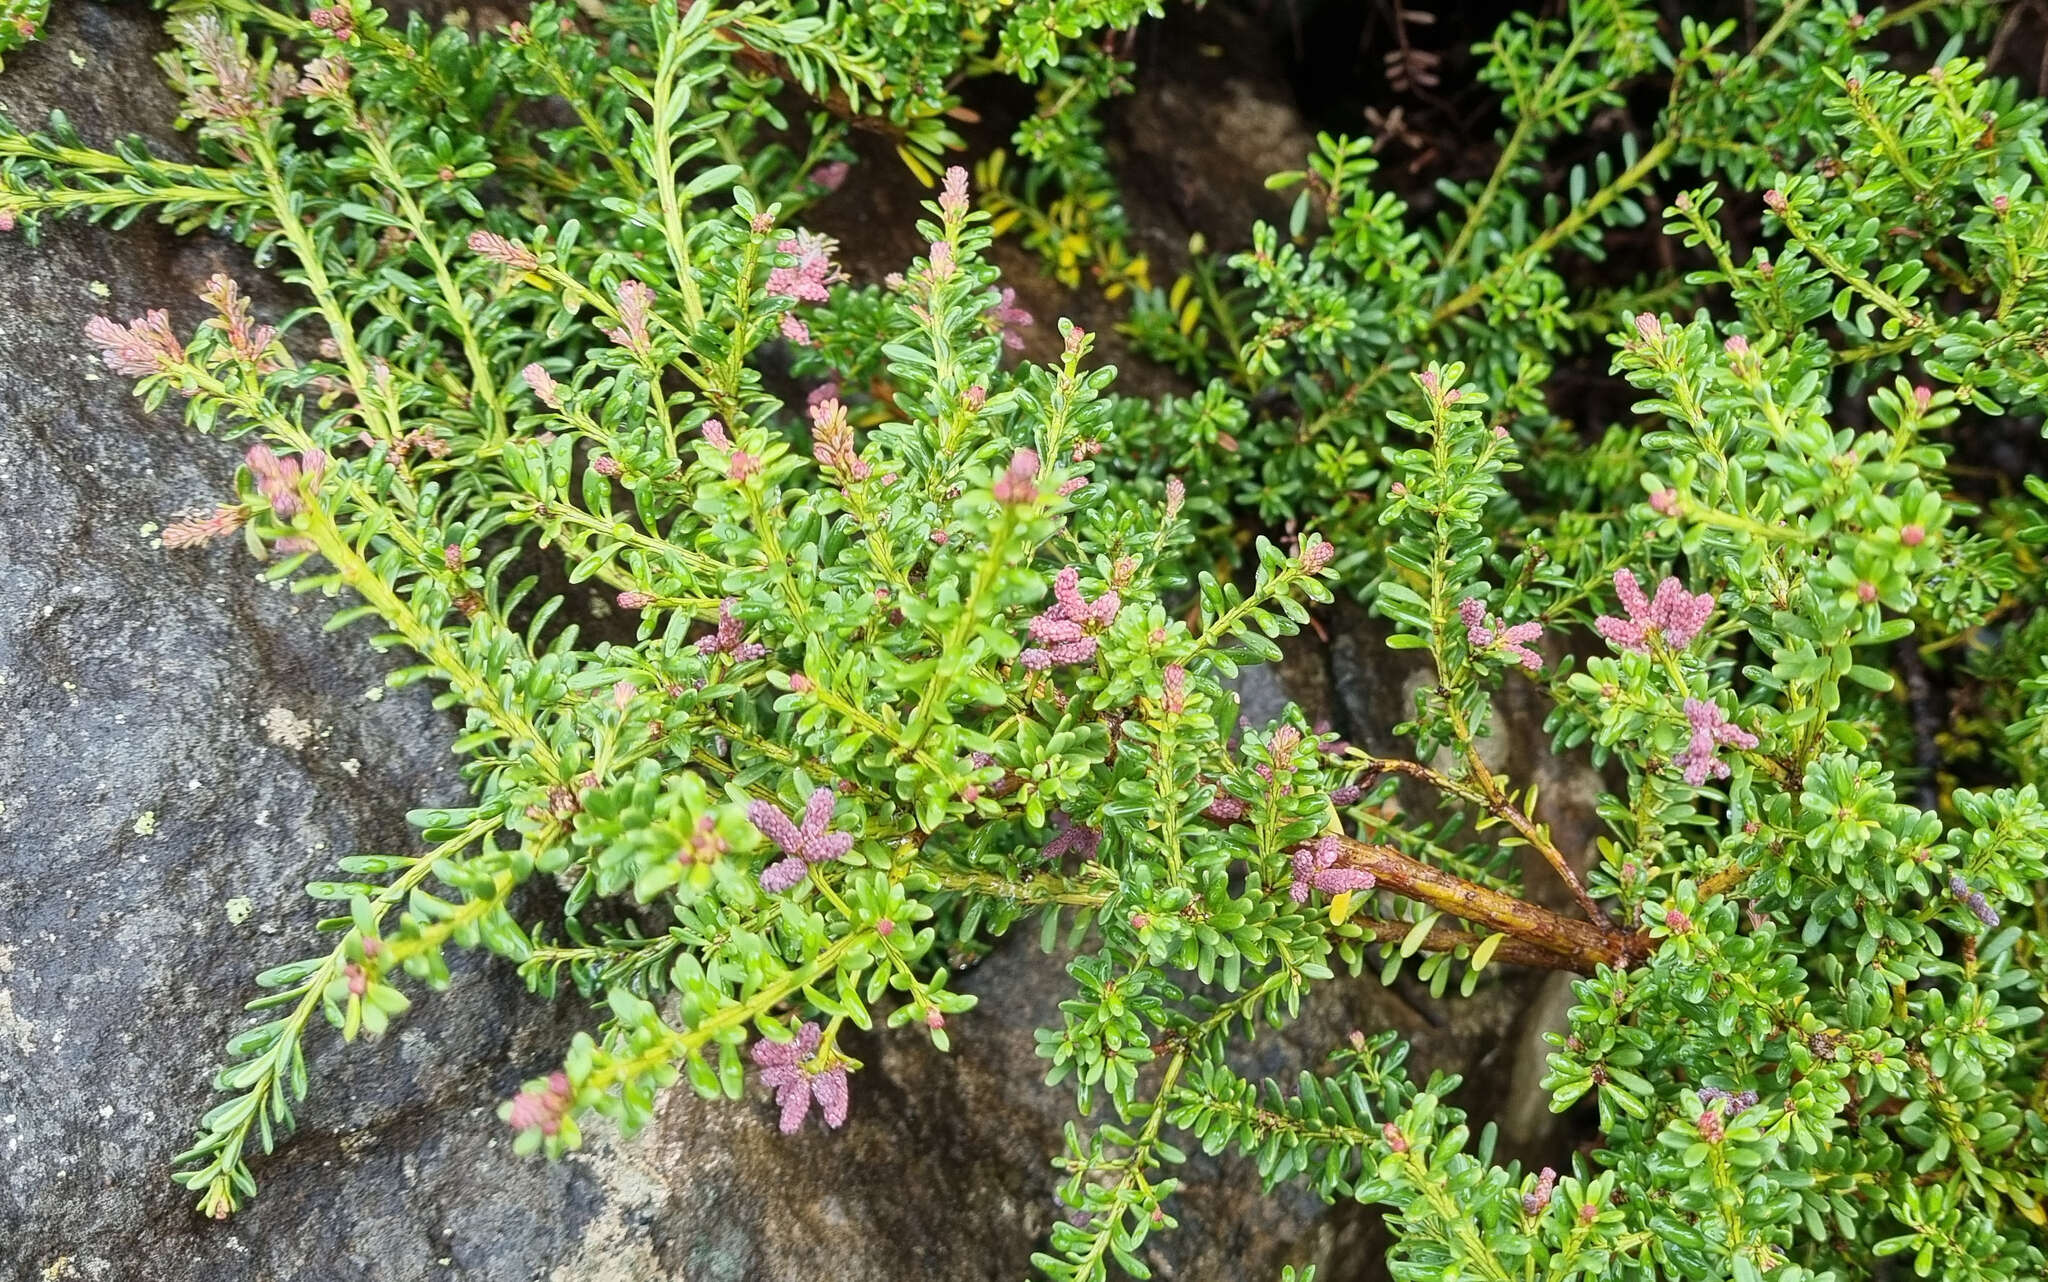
<point>917,652</point>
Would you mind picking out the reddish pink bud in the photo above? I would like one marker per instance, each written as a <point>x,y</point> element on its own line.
<point>831,175</point>
<point>953,197</point>
<point>543,384</point>
<point>605,465</point>
<point>634,600</point>
<point>885,927</point>
<point>358,982</point>
<point>1019,482</point>
<point>1665,502</point>
<point>1923,396</point>
<point>1395,1140</point>
<point>1175,680</point>
<point>506,253</point>
<point>1866,591</point>
<point>1774,200</point>
<point>204,527</point>
<point>1913,536</point>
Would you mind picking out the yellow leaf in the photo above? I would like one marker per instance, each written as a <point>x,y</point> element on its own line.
<point>1189,315</point>
<point>916,165</point>
<point>1340,907</point>
<point>2027,1206</point>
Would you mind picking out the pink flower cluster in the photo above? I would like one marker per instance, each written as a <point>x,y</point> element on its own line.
<point>1071,838</point>
<point>278,478</point>
<point>811,278</point>
<point>1018,483</point>
<point>503,251</point>
<point>729,638</point>
<point>812,842</point>
<point>1676,615</point>
<point>1224,808</point>
<point>953,195</point>
<point>831,175</point>
<point>250,341</point>
<point>832,440</point>
<point>1315,868</point>
<point>204,527</point>
<point>1974,900</point>
<point>786,1066</point>
<point>543,384</point>
<point>1485,632</point>
<point>1710,728</point>
<point>1066,632</point>
<point>541,1110</point>
<point>139,348</point>
<point>636,304</point>
<point>1010,320</point>
<point>1174,681</point>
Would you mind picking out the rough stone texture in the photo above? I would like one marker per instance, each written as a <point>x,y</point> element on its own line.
<point>181,747</point>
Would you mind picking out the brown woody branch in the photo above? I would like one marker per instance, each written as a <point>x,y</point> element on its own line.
<point>1444,939</point>
<point>1487,793</point>
<point>1579,945</point>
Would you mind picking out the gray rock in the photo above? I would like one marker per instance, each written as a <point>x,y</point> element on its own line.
<point>185,748</point>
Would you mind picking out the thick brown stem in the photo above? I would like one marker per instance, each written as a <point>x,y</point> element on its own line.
<point>1581,945</point>
<point>1444,939</point>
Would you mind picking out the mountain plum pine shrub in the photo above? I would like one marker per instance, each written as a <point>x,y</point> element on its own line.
<point>901,651</point>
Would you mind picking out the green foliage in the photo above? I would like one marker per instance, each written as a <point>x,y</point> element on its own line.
<point>21,21</point>
<point>924,658</point>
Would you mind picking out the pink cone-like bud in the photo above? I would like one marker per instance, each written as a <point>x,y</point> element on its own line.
<point>504,252</point>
